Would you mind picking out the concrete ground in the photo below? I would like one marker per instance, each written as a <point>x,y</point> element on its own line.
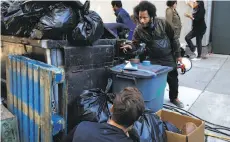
<point>205,90</point>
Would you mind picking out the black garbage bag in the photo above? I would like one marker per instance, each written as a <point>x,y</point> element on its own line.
<point>10,7</point>
<point>88,30</point>
<point>20,24</point>
<point>76,4</point>
<point>24,17</point>
<point>172,128</point>
<point>4,7</point>
<point>60,21</point>
<point>148,128</point>
<point>31,6</point>
<point>14,7</point>
<point>95,104</point>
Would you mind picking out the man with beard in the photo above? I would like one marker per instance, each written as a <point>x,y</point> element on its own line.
<point>161,45</point>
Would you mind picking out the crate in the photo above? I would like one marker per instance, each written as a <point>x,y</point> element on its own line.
<point>9,126</point>
<point>30,96</point>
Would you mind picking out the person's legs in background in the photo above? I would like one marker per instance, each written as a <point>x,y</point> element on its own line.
<point>199,44</point>
<point>188,39</point>
<point>172,80</point>
<point>199,38</point>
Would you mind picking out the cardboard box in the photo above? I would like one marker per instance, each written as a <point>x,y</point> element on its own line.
<point>179,120</point>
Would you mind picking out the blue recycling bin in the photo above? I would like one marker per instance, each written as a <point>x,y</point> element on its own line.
<point>150,80</point>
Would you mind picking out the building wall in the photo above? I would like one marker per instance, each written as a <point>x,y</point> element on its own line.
<point>104,8</point>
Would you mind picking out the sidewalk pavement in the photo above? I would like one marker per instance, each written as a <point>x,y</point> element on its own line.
<point>205,90</point>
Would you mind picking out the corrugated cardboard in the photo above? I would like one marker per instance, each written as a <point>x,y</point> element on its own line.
<point>179,120</point>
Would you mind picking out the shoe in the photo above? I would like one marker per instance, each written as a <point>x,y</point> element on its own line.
<point>177,103</point>
<point>196,59</point>
<point>204,57</point>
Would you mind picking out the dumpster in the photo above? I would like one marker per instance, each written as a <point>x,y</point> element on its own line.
<point>150,80</point>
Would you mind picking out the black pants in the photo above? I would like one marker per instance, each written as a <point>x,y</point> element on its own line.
<point>172,80</point>
<point>199,37</point>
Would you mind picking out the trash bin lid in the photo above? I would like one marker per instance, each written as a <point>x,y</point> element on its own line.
<point>149,71</point>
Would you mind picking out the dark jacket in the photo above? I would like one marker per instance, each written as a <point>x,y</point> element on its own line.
<point>174,20</point>
<point>198,23</point>
<point>99,132</point>
<point>124,18</point>
<point>161,44</point>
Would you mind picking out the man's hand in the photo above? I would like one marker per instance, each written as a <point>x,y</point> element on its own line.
<point>126,47</point>
<point>179,60</point>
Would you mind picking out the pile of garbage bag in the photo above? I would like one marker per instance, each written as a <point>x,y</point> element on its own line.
<point>57,20</point>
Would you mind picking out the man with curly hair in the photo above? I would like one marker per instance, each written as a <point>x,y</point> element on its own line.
<point>161,45</point>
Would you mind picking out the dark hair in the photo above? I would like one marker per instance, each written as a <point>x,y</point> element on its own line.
<point>170,3</point>
<point>116,3</point>
<point>145,6</point>
<point>200,3</point>
<point>128,106</point>
<point>136,13</point>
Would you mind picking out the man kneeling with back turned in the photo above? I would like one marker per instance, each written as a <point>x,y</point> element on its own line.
<point>127,107</point>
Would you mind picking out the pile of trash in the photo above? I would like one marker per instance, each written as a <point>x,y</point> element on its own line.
<point>57,20</point>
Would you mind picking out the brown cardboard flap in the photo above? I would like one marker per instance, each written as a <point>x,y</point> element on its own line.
<point>174,137</point>
<point>177,119</point>
<point>197,135</point>
<point>5,113</point>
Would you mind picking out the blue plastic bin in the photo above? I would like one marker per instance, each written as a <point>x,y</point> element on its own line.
<point>150,80</point>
